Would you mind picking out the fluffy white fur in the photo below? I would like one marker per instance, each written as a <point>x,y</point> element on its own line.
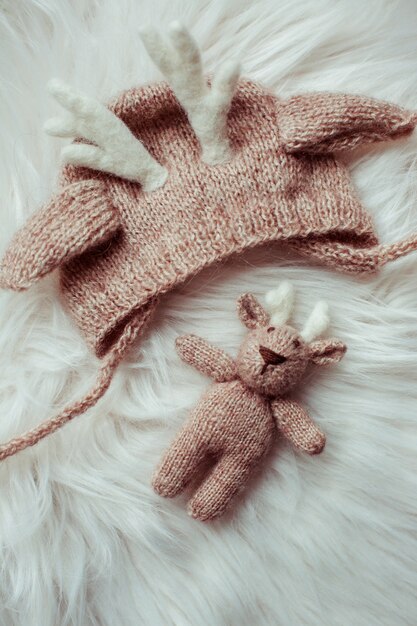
<point>117,151</point>
<point>179,59</point>
<point>325,541</point>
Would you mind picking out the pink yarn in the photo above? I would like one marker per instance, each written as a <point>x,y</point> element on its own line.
<point>118,248</point>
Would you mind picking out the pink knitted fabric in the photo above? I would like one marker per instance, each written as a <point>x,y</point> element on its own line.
<point>235,422</point>
<point>119,248</point>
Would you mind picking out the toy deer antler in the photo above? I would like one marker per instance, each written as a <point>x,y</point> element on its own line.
<point>280,303</point>
<point>317,323</point>
<point>116,149</point>
<point>179,60</point>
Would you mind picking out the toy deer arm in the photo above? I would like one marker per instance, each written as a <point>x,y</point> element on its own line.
<point>327,122</point>
<point>78,218</point>
<point>295,424</point>
<point>206,358</point>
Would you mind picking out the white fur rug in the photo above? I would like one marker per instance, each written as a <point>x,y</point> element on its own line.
<point>322,541</point>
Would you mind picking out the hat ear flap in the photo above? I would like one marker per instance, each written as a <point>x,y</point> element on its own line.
<point>78,218</point>
<point>326,351</point>
<point>250,312</point>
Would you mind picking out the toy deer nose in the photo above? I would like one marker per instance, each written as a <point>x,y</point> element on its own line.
<point>270,357</point>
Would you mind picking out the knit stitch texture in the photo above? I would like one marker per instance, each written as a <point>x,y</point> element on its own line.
<point>120,247</point>
<point>237,419</point>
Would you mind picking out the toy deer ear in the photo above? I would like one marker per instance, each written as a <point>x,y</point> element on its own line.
<point>326,351</point>
<point>250,312</point>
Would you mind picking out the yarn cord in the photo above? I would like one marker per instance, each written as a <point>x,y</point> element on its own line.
<point>391,252</point>
<point>104,378</point>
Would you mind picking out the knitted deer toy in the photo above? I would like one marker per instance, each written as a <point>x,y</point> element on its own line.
<point>247,406</point>
<point>174,176</point>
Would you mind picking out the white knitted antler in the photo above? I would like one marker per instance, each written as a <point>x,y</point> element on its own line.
<point>317,323</point>
<point>116,149</point>
<point>280,303</point>
<point>179,60</point>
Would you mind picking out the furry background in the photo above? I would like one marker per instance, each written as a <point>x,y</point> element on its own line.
<point>327,541</point>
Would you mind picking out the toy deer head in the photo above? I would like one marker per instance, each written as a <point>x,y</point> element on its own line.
<point>274,356</point>
<point>239,416</point>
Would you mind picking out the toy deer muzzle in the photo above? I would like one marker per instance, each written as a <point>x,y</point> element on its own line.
<point>237,419</point>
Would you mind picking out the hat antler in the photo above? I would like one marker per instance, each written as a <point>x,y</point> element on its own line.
<point>179,59</point>
<point>116,149</point>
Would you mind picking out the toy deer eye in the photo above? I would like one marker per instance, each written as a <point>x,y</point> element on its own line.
<point>270,329</point>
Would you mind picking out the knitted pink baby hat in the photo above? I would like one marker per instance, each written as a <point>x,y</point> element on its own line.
<point>169,179</point>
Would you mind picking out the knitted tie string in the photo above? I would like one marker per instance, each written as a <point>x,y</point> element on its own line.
<point>104,378</point>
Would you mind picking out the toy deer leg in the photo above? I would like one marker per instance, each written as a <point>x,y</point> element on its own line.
<point>181,461</point>
<point>228,476</point>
